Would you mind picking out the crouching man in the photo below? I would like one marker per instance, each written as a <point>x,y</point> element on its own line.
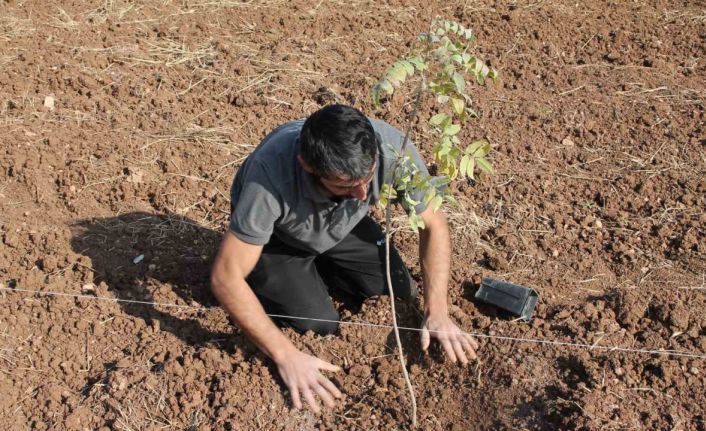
<point>300,226</point>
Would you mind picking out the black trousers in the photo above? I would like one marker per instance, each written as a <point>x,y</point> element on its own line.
<point>292,282</point>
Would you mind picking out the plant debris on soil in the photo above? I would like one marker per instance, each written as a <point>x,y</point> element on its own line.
<point>124,122</point>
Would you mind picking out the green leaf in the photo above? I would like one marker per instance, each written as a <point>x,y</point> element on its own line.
<point>386,86</point>
<point>429,195</point>
<point>493,74</point>
<point>484,165</point>
<point>376,95</point>
<point>418,63</point>
<point>436,203</point>
<point>485,149</point>
<point>438,119</point>
<point>452,129</point>
<point>483,73</point>
<point>470,168</point>
<point>464,164</point>
<point>449,69</point>
<point>475,146</point>
<point>441,182</point>
<point>458,106</point>
<point>416,222</point>
<point>459,82</point>
<point>411,202</point>
<point>468,34</point>
<point>396,74</point>
<point>408,67</point>
<point>386,190</point>
<point>478,67</point>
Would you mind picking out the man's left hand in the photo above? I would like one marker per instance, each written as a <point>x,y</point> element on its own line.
<point>458,346</point>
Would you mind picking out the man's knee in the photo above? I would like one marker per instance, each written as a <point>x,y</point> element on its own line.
<point>324,324</point>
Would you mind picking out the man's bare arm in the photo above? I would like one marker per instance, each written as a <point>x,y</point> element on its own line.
<point>300,372</point>
<point>435,255</point>
<point>233,263</point>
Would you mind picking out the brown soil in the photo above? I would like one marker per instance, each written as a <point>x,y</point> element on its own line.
<point>598,127</point>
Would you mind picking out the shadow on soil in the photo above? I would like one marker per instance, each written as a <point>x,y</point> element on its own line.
<point>178,255</point>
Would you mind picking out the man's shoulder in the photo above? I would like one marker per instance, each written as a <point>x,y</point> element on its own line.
<point>385,128</point>
<point>278,148</point>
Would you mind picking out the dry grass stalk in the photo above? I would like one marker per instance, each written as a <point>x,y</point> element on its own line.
<point>201,135</point>
<point>5,59</point>
<point>467,222</point>
<point>63,21</point>
<point>110,10</point>
<point>693,15</point>
<point>251,4</point>
<point>12,28</point>
<point>172,53</point>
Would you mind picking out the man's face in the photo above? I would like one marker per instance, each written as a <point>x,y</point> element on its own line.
<point>342,187</point>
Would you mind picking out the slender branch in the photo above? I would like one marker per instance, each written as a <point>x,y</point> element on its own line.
<point>388,216</point>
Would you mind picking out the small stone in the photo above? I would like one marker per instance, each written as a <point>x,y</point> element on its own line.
<point>619,371</point>
<point>138,259</point>
<point>694,371</point>
<point>555,253</point>
<point>136,175</point>
<point>567,142</point>
<point>88,288</point>
<point>152,266</point>
<point>598,224</point>
<point>49,103</point>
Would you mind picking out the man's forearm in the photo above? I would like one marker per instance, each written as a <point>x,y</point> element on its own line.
<point>435,253</point>
<point>245,309</point>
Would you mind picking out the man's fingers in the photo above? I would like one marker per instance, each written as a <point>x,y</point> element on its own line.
<point>448,348</point>
<point>425,338</point>
<point>325,396</point>
<point>295,397</point>
<point>328,366</point>
<point>309,397</point>
<point>326,383</point>
<point>469,348</point>
<point>472,341</point>
<point>458,349</point>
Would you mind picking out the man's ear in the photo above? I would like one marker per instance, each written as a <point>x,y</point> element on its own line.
<point>304,165</point>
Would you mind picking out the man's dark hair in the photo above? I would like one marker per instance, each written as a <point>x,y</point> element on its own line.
<point>338,141</point>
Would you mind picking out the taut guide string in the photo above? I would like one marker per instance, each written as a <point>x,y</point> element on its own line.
<point>375,325</point>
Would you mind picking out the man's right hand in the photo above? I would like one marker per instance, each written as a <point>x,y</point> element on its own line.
<point>300,373</point>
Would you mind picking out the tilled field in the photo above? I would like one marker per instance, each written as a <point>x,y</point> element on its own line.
<point>123,124</point>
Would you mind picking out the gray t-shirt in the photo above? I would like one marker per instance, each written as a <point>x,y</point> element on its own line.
<point>272,194</point>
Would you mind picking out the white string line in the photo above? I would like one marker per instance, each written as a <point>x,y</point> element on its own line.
<point>376,325</point>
